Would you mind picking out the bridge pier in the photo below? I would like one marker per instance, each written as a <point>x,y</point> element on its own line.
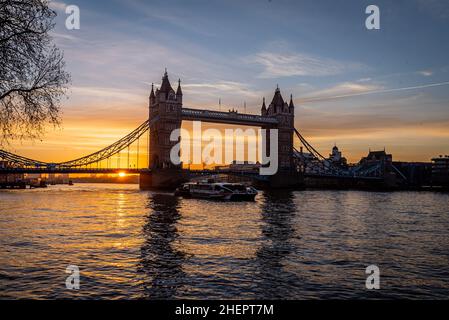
<point>169,178</point>
<point>286,179</point>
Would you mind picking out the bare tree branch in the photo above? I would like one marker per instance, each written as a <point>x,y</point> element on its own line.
<point>32,75</point>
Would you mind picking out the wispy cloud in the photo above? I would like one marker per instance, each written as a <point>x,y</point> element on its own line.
<point>286,64</point>
<point>57,5</point>
<point>179,18</point>
<point>364,80</point>
<point>425,73</point>
<point>363,92</point>
<point>345,88</point>
<point>63,36</point>
<point>224,87</point>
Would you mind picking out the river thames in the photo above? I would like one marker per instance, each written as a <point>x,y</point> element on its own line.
<point>131,244</point>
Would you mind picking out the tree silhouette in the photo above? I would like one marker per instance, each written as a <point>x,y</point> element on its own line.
<point>32,75</point>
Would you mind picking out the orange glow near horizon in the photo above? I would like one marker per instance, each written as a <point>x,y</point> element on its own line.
<point>83,134</point>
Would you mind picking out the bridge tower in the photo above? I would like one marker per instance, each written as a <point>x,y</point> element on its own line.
<point>165,114</point>
<point>284,112</point>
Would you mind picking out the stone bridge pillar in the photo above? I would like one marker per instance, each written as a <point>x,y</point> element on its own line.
<point>165,115</point>
<point>285,114</point>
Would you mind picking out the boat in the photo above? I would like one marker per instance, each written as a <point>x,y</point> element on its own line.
<point>38,183</point>
<point>217,191</point>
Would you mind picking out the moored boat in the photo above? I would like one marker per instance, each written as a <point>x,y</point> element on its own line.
<point>217,191</point>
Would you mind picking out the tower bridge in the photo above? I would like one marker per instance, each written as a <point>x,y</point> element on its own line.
<point>166,113</point>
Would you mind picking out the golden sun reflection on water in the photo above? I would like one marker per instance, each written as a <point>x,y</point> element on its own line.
<point>227,232</point>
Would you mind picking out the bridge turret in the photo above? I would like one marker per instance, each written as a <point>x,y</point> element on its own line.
<point>277,103</point>
<point>166,91</point>
<point>291,107</point>
<point>264,108</point>
<point>179,92</point>
<point>152,96</point>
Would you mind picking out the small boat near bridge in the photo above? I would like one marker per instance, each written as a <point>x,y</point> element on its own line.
<point>217,191</point>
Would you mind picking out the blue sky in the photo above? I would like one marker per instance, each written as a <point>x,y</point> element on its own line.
<point>359,88</point>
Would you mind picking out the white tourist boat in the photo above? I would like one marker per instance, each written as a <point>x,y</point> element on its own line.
<point>217,191</point>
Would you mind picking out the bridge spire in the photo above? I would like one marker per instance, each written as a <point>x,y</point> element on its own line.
<point>179,91</point>
<point>152,95</point>
<point>166,86</point>
<point>277,104</point>
<point>264,107</point>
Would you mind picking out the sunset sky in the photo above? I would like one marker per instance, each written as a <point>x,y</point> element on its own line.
<point>355,87</point>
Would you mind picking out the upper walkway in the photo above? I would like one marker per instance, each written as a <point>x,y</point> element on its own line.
<point>230,117</point>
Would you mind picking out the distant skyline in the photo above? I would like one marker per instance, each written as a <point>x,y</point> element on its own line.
<point>351,86</point>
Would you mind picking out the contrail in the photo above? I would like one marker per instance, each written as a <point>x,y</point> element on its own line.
<point>312,99</point>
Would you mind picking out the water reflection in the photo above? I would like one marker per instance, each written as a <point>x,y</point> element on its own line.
<point>161,262</point>
<point>278,211</point>
<point>286,245</point>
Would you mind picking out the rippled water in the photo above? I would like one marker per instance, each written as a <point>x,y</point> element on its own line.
<point>287,245</point>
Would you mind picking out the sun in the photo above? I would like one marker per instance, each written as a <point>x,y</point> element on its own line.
<point>121,174</point>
